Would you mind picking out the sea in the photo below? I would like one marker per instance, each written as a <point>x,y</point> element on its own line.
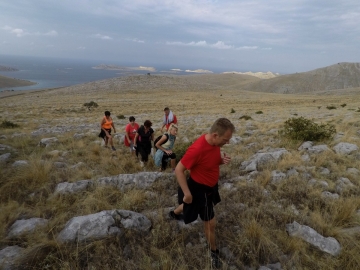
<point>58,72</point>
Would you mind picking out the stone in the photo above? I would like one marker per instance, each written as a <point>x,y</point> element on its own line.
<point>5,157</point>
<point>66,187</point>
<point>326,244</point>
<point>46,142</point>
<point>8,257</point>
<point>329,195</point>
<point>103,224</point>
<point>261,159</point>
<point>20,163</point>
<point>23,226</point>
<point>345,148</point>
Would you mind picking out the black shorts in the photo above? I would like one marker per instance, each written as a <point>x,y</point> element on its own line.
<point>102,133</point>
<point>204,199</point>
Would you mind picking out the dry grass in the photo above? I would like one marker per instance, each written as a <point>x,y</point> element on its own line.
<point>251,218</point>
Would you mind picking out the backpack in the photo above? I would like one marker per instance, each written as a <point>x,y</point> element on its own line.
<point>158,139</point>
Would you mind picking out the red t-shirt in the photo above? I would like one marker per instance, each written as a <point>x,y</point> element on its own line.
<point>174,121</point>
<point>203,161</point>
<point>131,131</point>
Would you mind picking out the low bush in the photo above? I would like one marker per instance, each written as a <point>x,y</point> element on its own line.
<point>8,124</point>
<point>245,117</point>
<point>120,116</point>
<point>180,149</point>
<point>232,110</point>
<point>332,107</point>
<point>343,105</point>
<point>259,112</point>
<point>91,105</point>
<point>306,130</point>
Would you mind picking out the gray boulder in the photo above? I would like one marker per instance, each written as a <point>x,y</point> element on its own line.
<point>20,163</point>
<point>345,148</point>
<point>329,195</point>
<point>236,140</point>
<point>305,145</point>
<point>342,184</point>
<point>327,244</point>
<point>317,149</point>
<point>103,224</point>
<point>140,180</point>
<point>66,187</point>
<point>277,177</point>
<point>23,226</point>
<point>4,157</point>
<point>46,142</point>
<point>262,159</point>
<point>8,256</point>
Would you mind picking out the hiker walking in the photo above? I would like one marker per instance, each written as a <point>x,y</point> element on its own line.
<point>142,141</point>
<point>106,124</point>
<point>199,193</point>
<point>168,119</point>
<point>164,148</point>
<point>130,132</point>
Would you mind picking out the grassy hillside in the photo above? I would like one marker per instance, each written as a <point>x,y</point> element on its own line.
<point>339,76</point>
<point>253,213</point>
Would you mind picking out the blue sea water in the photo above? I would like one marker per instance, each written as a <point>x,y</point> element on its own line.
<point>56,72</point>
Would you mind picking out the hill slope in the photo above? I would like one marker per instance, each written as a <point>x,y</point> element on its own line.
<point>338,76</point>
<point>11,82</point>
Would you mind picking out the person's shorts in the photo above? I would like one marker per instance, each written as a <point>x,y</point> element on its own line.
<point>102,133</point>
<point>202,204</point>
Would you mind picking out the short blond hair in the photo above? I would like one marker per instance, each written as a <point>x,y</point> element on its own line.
<point>173,126</point>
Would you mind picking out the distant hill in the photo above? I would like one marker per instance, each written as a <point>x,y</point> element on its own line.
<point>3,68</point>
<point>338,76</point>
<point>11,82</point>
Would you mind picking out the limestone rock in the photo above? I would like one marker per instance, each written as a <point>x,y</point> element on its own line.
<point>23,226</point>
<point>345,148</point>
<point>103,224</point>
<point>327,244</point>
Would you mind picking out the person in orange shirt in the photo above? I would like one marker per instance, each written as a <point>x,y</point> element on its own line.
<point>168,119</point>
<point>106,124</point>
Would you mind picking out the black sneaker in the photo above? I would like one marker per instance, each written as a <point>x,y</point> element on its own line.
<point>215,260</point>
<point>174,216</point>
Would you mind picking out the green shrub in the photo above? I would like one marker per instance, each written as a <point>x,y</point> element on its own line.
<point>259,112</point>
<point>245,117</point>
<point>120,116</point>
<point>358,110</point>
<point>306,130</point>
<point>180,149</point>
<point>332,107</point>
<point>232,110</point>
<point>91,105</point>
<point>8,124</point>
<point>343,105</point>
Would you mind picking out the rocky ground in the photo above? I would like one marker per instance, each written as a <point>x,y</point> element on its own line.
<point>286,205</point>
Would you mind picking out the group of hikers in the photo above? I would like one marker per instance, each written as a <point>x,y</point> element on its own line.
<point>198,192</point>
<point>139,138</point>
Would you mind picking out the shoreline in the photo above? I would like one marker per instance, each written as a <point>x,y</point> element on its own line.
<point>11,93</point>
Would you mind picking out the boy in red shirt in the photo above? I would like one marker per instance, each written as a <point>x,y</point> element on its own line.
<point>168,119</point>
<point>199,193</point>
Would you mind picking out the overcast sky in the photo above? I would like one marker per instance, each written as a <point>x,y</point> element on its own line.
<point>283,36</point>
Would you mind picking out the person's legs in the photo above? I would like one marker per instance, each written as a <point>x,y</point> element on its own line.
<point>209,227</point>
<point>178,210</point>
<point>173,163</point>
<point>106,141</point>
<point>164,162</point>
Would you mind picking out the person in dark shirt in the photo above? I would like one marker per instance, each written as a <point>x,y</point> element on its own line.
<point>142,141</point>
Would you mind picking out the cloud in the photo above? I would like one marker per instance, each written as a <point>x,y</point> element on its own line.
<point>247,48</point>
<point>218,45</point>
<point>21,32</point>
<point>135,40</point>
<point>101,37</point>
<point>81,48</point>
